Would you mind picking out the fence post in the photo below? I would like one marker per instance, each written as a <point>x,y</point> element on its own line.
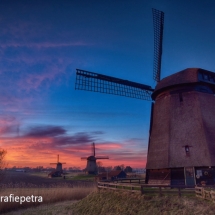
<point>179,192</point>
<point>98,186</point>
<point>141,190</point>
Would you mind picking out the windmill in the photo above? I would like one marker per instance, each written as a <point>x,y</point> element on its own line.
<point>91,167</point>
<point>59,167</point>
<point>181,146</point>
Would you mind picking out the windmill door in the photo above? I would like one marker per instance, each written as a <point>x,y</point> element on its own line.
<point>189,176</point>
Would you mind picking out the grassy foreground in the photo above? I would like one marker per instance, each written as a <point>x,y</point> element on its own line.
<point>116,203</point>
<point>59,208</point>
<point>120,203</point>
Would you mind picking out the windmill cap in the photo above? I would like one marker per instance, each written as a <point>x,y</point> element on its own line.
<point>91,158</point>
<point>185,77</point>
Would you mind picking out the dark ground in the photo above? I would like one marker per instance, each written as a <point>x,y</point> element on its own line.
<point>22,179</point>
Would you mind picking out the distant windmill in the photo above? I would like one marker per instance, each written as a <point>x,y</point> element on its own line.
<point>59,165</point>
<point>91,161</point>
<point>181,146</point>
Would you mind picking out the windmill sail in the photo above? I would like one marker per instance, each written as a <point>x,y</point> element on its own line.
<point>58,161</point>
<point>102,157</point>
<point>158,21</point>
<point>95,82</point>
<point>93,149</point>
<point>84,158</point>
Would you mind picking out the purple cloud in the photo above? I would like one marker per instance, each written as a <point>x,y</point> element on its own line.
<point>45,131</point>
<point>82,138</point>
<point>59,136</point>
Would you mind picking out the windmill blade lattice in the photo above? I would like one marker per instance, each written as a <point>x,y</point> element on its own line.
<point>158,21</point>
<point>93,149</point>
<point>95,82</point>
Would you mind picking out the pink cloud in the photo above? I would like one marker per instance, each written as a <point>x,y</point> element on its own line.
<point>8,125</point>
<point>110,146</point>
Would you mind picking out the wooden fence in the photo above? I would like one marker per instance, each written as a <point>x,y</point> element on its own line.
<point>130,180</point>
<point>205,193</point>
<point>147,189</point>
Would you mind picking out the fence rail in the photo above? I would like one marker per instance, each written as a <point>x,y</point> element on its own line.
<point>125,180</point>
<point>130,180</point>
<point>147,189</point>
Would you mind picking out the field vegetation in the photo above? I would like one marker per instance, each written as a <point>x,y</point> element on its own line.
<point>83,177</point>
<point>68,176</point>
<point>81,197</point>
<point>117,203</point>
<point>123,203</point>
<point>49,195</point>
<point>51,189</point>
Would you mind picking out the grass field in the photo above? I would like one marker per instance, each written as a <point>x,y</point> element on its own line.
<point>83,177</point>
<point>122,203</point>
<point>69,176</point>
<point>117,203</point>
<point>59,208</point>
<point>49,195</point>
<point>80,197</point>
<point>51,189</point>
<point>41,179</point>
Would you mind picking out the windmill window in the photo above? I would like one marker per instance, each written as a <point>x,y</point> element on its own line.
<point>187,149</point>
<point>205,77</point>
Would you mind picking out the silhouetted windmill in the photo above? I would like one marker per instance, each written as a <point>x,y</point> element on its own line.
<point>91,167</point>
<point>59,166</point>
<point>181,147</point>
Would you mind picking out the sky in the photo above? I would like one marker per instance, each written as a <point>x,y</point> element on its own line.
<point>43,42</point>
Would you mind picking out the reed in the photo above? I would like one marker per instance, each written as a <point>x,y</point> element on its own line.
<point>54,193</point>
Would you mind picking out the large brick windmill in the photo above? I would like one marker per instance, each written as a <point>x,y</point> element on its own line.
<point>91,167</point>
<point>181,147</point>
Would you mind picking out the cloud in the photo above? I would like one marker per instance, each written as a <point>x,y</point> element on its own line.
<point>45,131</point>
<point>34,54</point>
<point>29,76</point>
<point>8,125</point>
<point>78,138</point>
<point>59,135</point>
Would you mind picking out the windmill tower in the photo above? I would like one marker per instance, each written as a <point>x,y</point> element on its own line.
<point>91,167</point>
<point>181,146</point>
<point>59,166</point>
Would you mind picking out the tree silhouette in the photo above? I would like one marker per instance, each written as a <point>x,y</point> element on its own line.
<point>2,163</point>
<point>128,169</point>
<point>117,168</point>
